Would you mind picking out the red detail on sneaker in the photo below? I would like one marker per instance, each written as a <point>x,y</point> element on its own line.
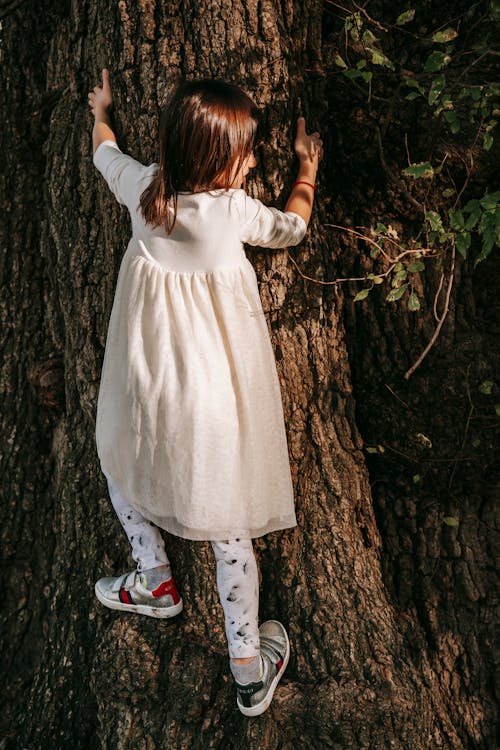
<point>279,665</point>
<point>167,587</point>
<point>125,597</point>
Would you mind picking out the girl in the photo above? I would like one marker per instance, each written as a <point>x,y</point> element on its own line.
<point>189,428</point>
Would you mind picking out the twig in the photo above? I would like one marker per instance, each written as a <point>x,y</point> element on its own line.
<point>436,296</point>
<point>441,320</point>
<point>393,177</point>
<point>373,21</point>
<point>393,261</point>
<point>396,396</point>
<point>427,460</point>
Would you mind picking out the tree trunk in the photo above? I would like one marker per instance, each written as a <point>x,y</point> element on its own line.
<point>389,611</point>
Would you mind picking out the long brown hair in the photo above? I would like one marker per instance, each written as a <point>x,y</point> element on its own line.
<point>206,128</point>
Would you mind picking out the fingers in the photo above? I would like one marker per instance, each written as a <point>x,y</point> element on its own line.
<point>301,126</point>
<point>105,77</point>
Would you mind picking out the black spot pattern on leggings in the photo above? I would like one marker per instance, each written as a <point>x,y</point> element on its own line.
<point>241,632</point>
<point>231,598</point>
<point>244,568</point>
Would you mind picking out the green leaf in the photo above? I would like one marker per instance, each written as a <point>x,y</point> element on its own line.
<point>416,478</point>
<point>352,73</point>
<point>489,200</point>
<point>368,38</point>
<point>420,169</point>
<point>378,58</point>
<point>395,294</point>
<point>412,83</point>
<point>416,266</point>
<point>339,61</point>
<point>444,36</point>
<point>435,221</point>
<point>448,192</point>
<point>362,294</point>
<point>378,280</point>
<point>381,228</point>
<point>436,61</point>
<point>413,302</point>
<point>436,89</point>
<point>450,520</point>
<point>372,450</point>
<point>361,64</point>
<point>476,442</point>
<point>399,276</point>
<point>457,220</point>
<point>486,387</point>
<point>405,17</point>
<point>463,243</point>
<point>452,119</point>
<point>367,76</point>
<point>412,95</point>
<point>487,141</point>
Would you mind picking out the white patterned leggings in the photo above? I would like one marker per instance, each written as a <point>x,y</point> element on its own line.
<point>237,576</point>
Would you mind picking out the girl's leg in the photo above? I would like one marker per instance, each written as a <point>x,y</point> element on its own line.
<point>238,585</point>
<point>148,547</point>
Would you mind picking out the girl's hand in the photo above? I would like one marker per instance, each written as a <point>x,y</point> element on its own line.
<point>101,99</point>
<point>309,148</point>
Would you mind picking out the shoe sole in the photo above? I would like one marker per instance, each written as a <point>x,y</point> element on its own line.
<point>259,708</point>
<point>140,609</point>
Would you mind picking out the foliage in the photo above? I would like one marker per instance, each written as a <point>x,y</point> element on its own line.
<point>434,73</point>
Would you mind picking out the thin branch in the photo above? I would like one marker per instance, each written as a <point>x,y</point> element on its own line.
<point>393,177</point>
<point>396,396</point>
<point>441,320</point>
<point>436,296</point>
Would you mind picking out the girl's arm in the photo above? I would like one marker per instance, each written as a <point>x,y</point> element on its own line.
<point>101,104</point>
<point>309,149</point>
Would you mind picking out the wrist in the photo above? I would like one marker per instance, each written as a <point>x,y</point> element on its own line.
<point>104,115</point>
<point>307,171</point>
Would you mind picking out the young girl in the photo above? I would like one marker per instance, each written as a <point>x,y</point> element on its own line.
<point>189,427</point>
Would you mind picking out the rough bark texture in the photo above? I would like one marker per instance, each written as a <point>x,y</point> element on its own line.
<point>390,612</point>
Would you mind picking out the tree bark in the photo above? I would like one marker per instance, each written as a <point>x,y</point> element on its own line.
<point>390,613</point>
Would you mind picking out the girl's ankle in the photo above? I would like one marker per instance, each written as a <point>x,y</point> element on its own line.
<point>245,660</point>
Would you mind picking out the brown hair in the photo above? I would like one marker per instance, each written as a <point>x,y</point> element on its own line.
<point>206,128</point>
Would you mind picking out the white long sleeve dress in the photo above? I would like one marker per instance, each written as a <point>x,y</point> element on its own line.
<point>189,422</point>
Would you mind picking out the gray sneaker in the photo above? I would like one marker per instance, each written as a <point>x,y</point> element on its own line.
<point>254,698</point>
<point>127,593</point>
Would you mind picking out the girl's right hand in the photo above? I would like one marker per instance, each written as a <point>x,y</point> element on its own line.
<point>309,148</point>
<point>101,99</point>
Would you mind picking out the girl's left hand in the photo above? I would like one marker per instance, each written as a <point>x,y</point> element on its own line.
<point>101,99</point>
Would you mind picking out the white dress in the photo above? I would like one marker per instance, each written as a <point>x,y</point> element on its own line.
<point>189,422</point>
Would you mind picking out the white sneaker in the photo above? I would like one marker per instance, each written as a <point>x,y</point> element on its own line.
<point>254,698</point>
<point>127,592</point>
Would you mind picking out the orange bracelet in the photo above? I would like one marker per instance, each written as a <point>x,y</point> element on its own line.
<point>303,182</point>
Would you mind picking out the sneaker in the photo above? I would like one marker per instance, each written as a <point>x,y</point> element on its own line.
<point>253,699</point>
<point>127,592</point>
